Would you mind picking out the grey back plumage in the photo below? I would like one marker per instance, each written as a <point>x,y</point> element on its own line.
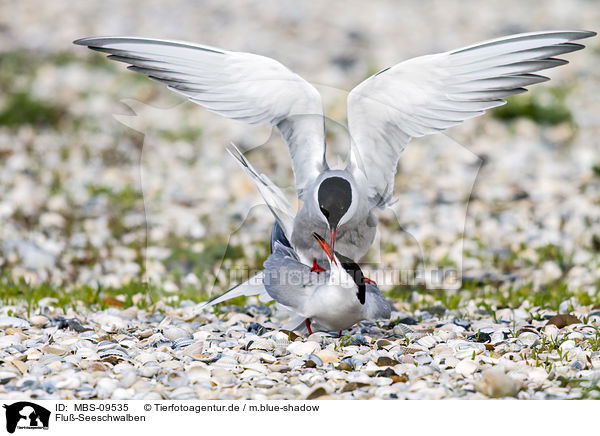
<point>376,305</point>
<point>287,280</point>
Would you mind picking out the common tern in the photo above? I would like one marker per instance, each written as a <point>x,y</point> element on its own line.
<point>334,300</point>
<point>417,97</point>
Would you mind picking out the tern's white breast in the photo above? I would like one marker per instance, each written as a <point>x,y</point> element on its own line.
<point>334,307</point>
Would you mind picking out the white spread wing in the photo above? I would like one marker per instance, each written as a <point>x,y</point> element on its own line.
<point>242,86</point>
<point>428,94</point>
<point>274,197</point>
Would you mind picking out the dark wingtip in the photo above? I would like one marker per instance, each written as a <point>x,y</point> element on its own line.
<point>81,41</point>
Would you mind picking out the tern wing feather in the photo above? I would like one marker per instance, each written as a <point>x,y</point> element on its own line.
<point>431,93</point>
<point>241,86</point>
<point>252,286</point>
<point>288,281</point>
<point>274,197</point>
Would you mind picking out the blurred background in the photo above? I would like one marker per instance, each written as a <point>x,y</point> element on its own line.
<point>113,189</point>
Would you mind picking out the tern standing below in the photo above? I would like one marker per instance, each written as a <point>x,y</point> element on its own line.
<point>414,98</point>
<point>334,300</point>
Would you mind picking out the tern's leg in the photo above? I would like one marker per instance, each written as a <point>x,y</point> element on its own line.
<point>316,267</point>
<point>340,334</point>
<point>307,322</point>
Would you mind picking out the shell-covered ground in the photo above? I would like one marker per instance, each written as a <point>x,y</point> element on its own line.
<point>120,211</point>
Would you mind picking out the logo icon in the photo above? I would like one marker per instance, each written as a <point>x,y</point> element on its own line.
<point>26,415</point>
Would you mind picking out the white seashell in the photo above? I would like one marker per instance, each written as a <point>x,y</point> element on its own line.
<point>149,369</point>
<point>87,353</point>
<point>295,362</point>
<point>328,356</point>
<point>144,357</point>
<point>173,333</point>
<point>33,354</point>
<point>381,381</point>
<point>240,317</point>
<point>183,393</point>
<point>73,360</point>
<point>442,350</point>
<point>127,379</point>
<point>551,331</point>
<point>529,339</point>
<point>198,373</point>
<point>105,387</point>
<point>466,367</point>
<point>54,349</point>
<point>302,348</point>
<point>359,377</point>
<point>310,378</point>
<point>6,376</point>
<point>537,375</point>
<point>122,394</point>
<point>113,352</point>
<point>182,343</point>
<point>445,335</point>
<point>109,323</point>
<point>47,359</point>
<point>370,368</point>
<point>567,345</point>
<point>267,358</point>
<point>225,362</point>
<point>13,321</point>
<point>38,320</point>
<point>402,330</point>
<point>85,392</point>
<point>262,344</point>
<point>71,382</point>
<point>576,336</point>
<point>247,358</point>
<point>195,348</point>
<point>8,340</point>
<point>427,341</point>
<point>258,367</point>
<point>336,375</point>
<point>249,373</point>
<point>223,377</point>
<point>497,337</point>
<point>171,364</point>
<point>265,383</point>
<point>496,384</point>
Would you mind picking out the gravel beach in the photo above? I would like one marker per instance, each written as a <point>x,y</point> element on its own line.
<point>121,211</point>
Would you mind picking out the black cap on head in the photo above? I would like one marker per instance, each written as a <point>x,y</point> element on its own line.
<point>335,197</point>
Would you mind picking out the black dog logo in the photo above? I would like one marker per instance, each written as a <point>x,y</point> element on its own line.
<point>26,415</point>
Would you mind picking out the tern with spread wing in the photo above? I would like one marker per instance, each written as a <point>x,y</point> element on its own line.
<point>414,98</point>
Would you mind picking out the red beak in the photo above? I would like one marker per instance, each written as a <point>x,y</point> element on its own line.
<point>332,235</point>
<point>324,245</point>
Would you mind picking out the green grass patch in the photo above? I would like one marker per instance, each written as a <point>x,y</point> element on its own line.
<point>22,108</point>
<point>545,105</point>
<point>490,295</point>
<point>96,298</point>
<point>187,134</point>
